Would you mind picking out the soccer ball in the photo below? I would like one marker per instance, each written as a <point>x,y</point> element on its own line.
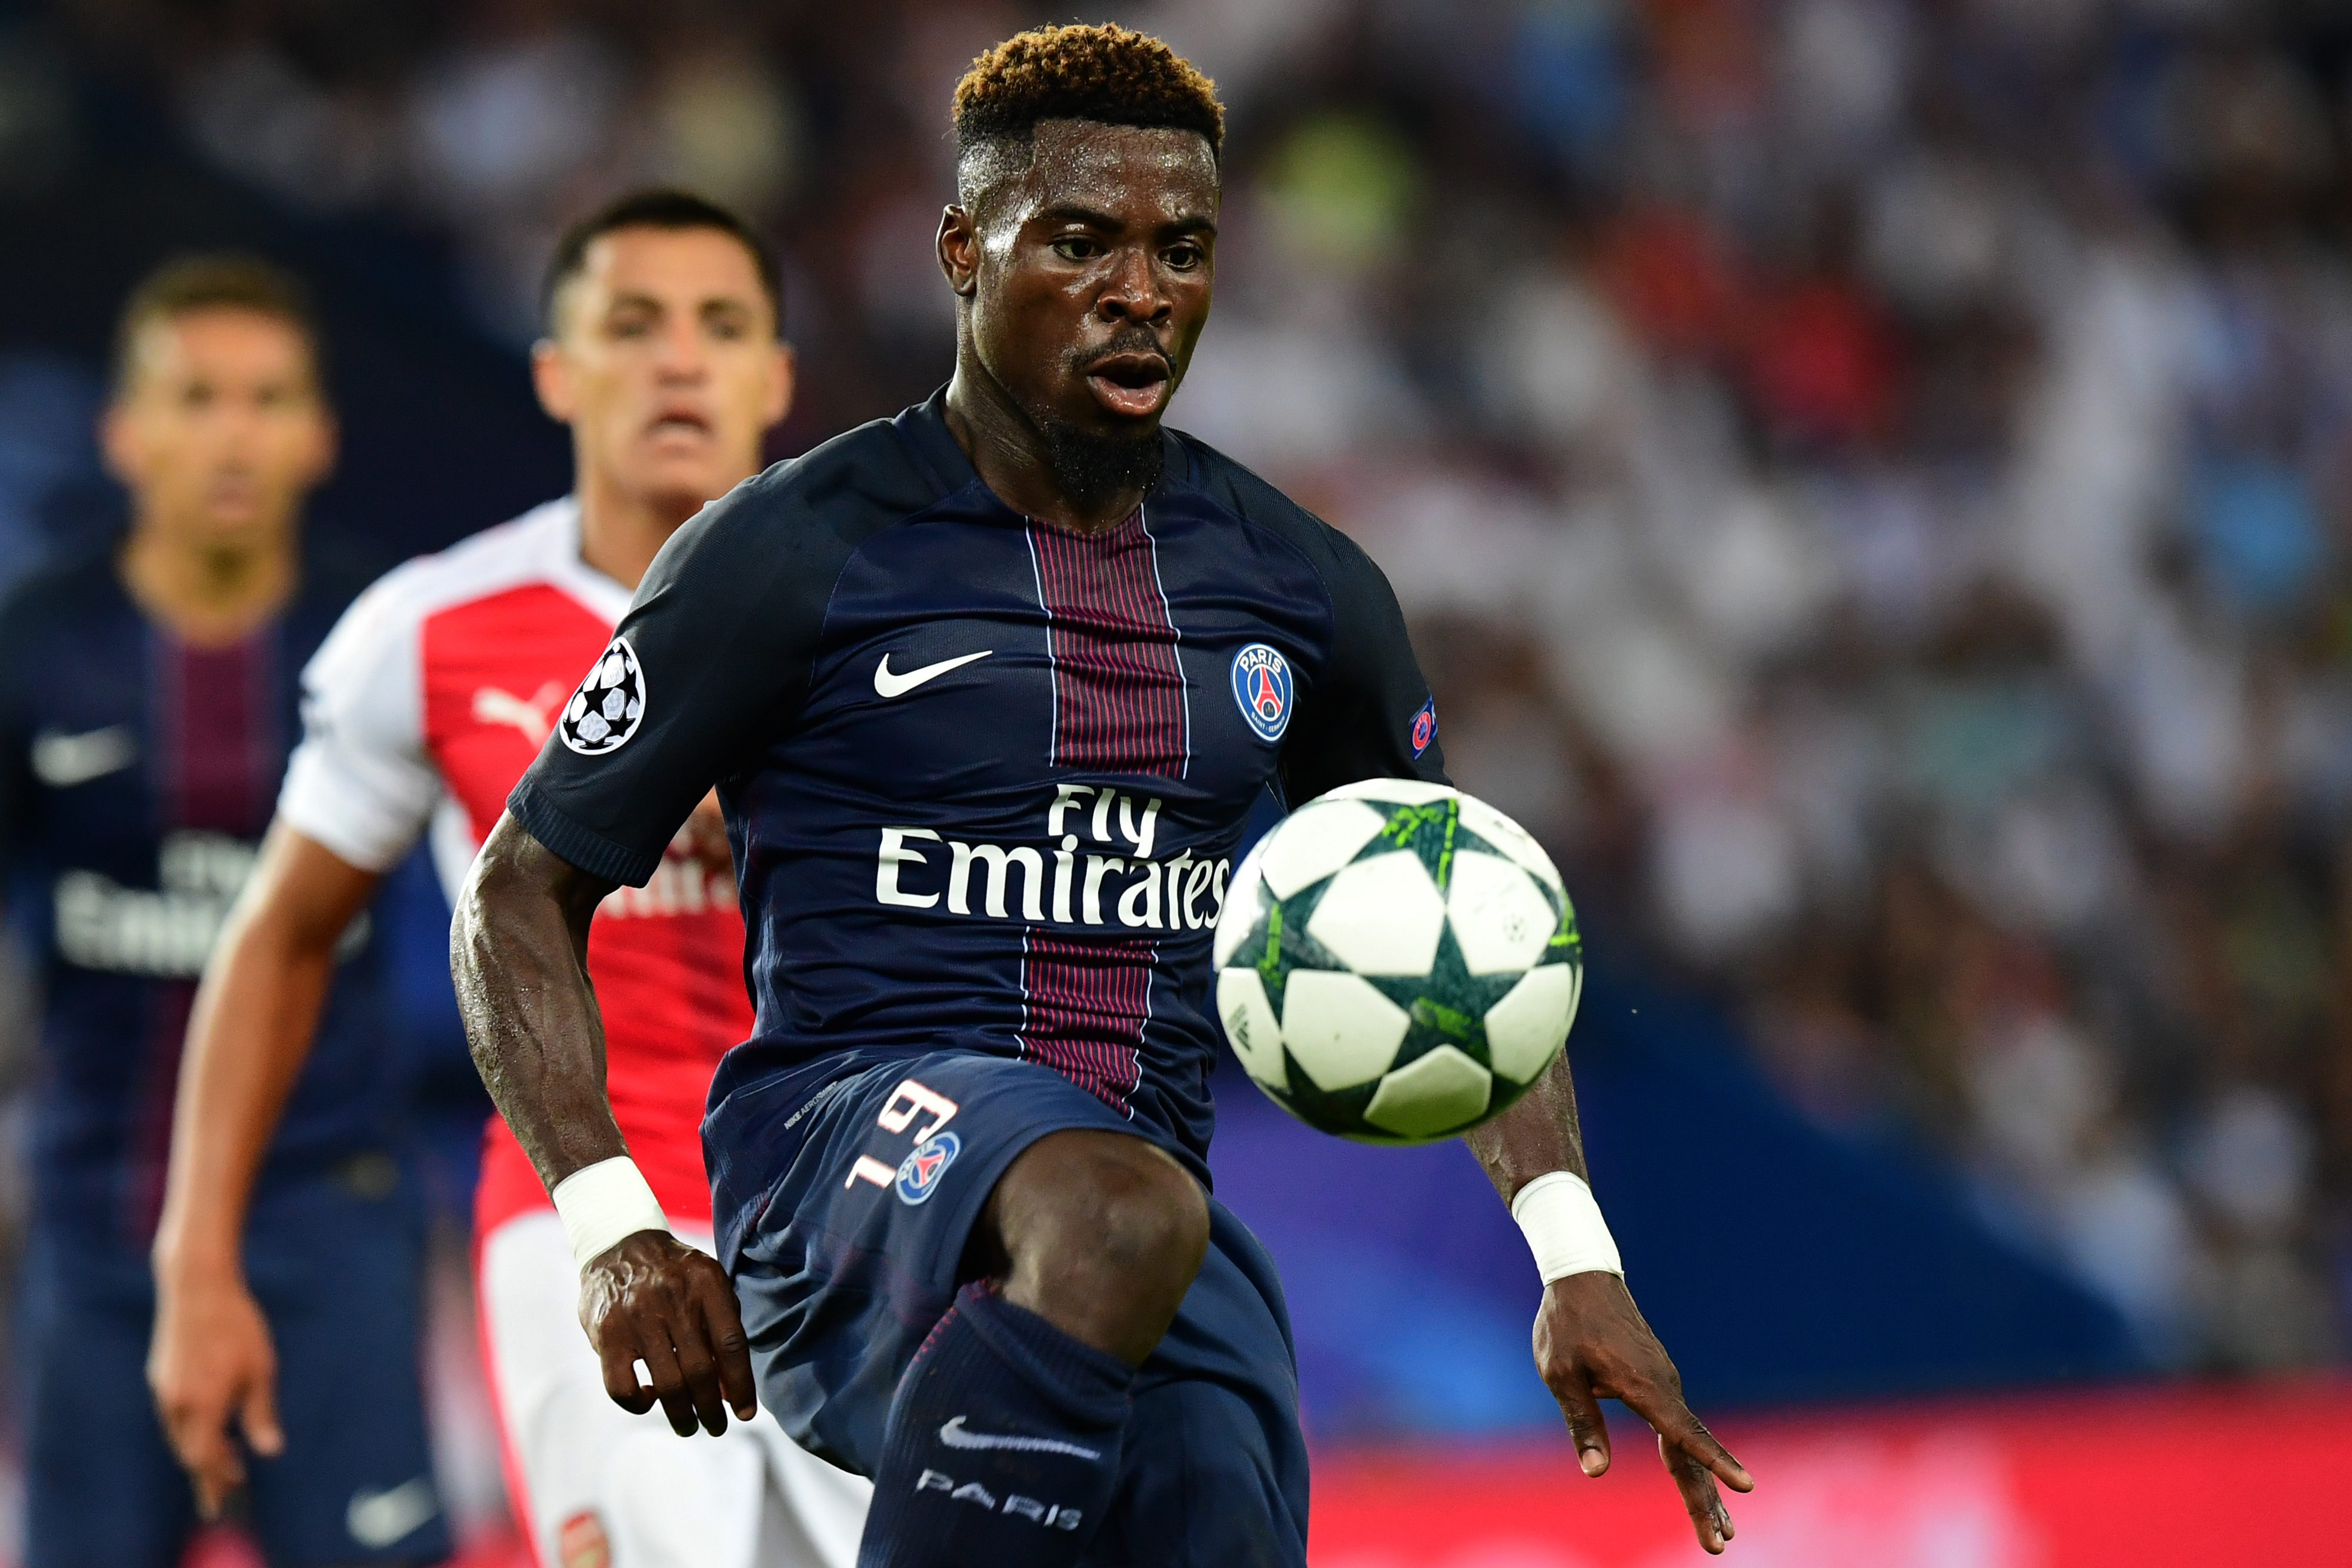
<point>1397,961</point>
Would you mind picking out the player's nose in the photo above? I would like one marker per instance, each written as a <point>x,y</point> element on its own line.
<point>681,355</point>
<point>1133,292</point>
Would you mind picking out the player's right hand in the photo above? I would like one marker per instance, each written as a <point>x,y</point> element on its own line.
<point>651,1299</point>
<point>211,1358</point>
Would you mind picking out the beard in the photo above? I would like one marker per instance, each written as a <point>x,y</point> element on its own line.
<point>1091,468</point>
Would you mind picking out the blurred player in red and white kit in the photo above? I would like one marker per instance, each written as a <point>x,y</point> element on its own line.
<point>422,710</point>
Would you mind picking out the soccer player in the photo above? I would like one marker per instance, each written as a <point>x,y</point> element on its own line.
<point>423,709</point>
<point>968,682</point>
<point>142,739</point>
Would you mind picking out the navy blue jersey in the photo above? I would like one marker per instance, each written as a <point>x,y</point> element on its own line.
<point>137,773</point>
<point>985,777</point>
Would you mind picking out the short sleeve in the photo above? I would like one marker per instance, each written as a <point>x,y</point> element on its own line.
<point>710,663</point>
<point>361,782</point>
<point>1368,713</point>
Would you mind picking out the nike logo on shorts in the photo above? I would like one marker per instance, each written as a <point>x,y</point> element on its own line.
<point>955,1436</point>
<point>888,685</point>
<point>378,1519</point>
<point>62,761</point>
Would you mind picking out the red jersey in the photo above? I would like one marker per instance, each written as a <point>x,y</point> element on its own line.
<point>433,694</point>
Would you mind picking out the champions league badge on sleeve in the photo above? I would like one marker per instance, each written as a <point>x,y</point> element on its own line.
<point>1262,688</point>
<point>1424,727</point>
<point>919,1173</point>
<point>609,706</point>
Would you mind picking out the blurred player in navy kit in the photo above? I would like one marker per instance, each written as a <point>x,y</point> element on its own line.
<point>142,734</point>
<point>976,686</point>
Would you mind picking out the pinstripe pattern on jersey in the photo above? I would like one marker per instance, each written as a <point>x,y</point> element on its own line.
<point>218,746</point>
<point>1086,1005</point>
<point>1119,689</point>
<point>1120,705</point>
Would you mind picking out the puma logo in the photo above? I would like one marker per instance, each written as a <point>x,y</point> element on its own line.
<point>535,716</point>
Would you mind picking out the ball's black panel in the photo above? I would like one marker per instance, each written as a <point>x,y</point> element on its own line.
<point>1278,944</point>
<point>1447,1005</point>
<point>1327,1110</point>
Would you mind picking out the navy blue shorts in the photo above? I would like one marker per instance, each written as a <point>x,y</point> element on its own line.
<point>854,1258</point>
<point>335,1265</point>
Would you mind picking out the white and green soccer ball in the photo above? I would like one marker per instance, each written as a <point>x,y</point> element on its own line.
<point>1397,961</point>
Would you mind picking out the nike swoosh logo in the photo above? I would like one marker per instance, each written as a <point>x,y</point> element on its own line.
<point>888,685</point>
<point>955,1436</point>
<point>378,1519</point>
<point>62,761</point>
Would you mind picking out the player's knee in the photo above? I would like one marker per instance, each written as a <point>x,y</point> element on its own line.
<point>1151,1221</point>
<point>1102,1233</point>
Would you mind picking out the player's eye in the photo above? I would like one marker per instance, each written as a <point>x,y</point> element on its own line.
<point>629,326</point>
<point>1183,257</point>
<point>1077,247</point>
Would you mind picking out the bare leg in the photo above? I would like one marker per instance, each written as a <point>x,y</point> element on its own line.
<point>1099,1234</point>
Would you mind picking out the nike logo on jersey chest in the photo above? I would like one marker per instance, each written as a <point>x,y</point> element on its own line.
<point>888,684</point>
<point>62,761</point>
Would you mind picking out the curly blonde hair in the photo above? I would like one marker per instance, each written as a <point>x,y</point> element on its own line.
<point>1104,73</point>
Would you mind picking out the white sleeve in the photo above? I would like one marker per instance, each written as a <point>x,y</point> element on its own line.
<point>361,782</point>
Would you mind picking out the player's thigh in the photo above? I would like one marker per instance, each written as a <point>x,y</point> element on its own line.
<point>102,1488</point>
<point>856,1252</point>
<point>600,1484</point>
<point>339,1274</point>
<point>1212,1471</point>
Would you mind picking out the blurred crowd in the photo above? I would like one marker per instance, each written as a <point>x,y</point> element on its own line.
<point>1873,480</point>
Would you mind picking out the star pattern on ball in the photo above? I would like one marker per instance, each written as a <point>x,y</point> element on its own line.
<point>1282,945</point>
<point>1447,1006</point>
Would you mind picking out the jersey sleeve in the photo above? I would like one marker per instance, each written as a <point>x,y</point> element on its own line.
<point>1368,713</point>
<point>361,782</point>
<point>710,663</point>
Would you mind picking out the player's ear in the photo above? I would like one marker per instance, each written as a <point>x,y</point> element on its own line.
<point>959,250</point>
<point>126,436</point>
<point>551,379</point>
<point>118,441</point>
<point>781,387</point>
<point>326,445</point>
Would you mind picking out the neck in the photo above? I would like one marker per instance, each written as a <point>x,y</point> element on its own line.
<point>207,593</point>
<point>1009,454</point>
<point>621,529</point>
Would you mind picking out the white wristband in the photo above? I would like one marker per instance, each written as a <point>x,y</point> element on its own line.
<point>603,1203</point>
<point>1564,1227</point>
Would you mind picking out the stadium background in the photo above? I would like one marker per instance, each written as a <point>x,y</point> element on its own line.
<point>1873,483</point>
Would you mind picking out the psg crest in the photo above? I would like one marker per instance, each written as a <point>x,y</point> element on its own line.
<point>1262,688</point>
<point>609,706</point>
<point>919,1173</point>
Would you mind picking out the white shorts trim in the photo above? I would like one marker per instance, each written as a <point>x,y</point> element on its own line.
<point>753,1496</point>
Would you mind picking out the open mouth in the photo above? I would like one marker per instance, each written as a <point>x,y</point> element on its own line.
<point>687,422</point>
<point>1134,384</point>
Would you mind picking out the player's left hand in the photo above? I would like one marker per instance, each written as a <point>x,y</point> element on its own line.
<point>1591,1343</point>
